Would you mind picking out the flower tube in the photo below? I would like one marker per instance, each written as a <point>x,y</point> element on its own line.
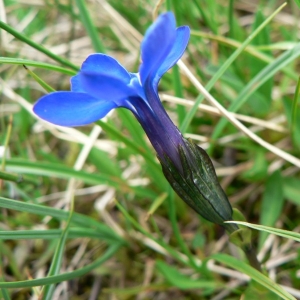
<point>102,84</point>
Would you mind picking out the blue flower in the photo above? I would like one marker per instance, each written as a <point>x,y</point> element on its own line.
<point>102,84</point>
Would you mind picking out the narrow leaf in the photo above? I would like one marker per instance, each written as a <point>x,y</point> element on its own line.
<point>80,220</point>
<point>40,81</point>
<point>89,26</point>
<point>253,274</point>
<point>224,67</point>
<point>66,276</point>
<point>183,282</point>
<point>294,109</point>
<point>280,232</point>
<point>38,64</point>
<point>38,47</point>
<point>264,75</point>
<point>291,189</point>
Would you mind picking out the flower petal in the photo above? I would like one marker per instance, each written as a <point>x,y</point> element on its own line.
<point>179,46</point>
<point>102,77</point>
<point>71,108</point>
<point>157,44</point>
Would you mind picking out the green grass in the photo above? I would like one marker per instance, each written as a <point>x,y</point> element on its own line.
<point>91,207</point>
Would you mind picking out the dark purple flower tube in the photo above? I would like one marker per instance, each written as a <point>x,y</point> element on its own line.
<point>102,84</point>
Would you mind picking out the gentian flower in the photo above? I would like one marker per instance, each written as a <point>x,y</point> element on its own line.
<point>102,84</point>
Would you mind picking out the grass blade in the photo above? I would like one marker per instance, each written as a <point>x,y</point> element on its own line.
<point>66,276</point>
<point>40,81</point>
<point>253,274</point>
<point>224,67</point>
<point>60,171</point>
<point>280,232</point>
<point>58,255</point>
<point>279,63</point>
<point>38,47</point>
<point>51,234</point>
<point>79,219</point>
<point>294,109</point>
<point>89,26</point>
<point>183,282</point>
<point>38,64</point>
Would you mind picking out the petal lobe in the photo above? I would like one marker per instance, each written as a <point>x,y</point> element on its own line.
<point>156,45</point>
<point>71,108</point>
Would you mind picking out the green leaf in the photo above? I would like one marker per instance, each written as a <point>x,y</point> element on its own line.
<point>291,189</point>
<point>58,255</point>
<point>295,110</point>
<point>104,231</point>
<point>61,171</point>
<point>272,203</point>
<point>38,64</point>
<point>280,232</point>
<point>263,38</point>
<point>256,291</point>
<point>66,276</point>
<point>264,75</point>
<point>103,162</point>
<point>156,203</point>
<point>259,170</point>
<point>52,234</point>
<point>251,50</point>
<point>38,47</point>
<point>40,81</point>
<point>297,2</point>
<point>205,12</point>
<point>224,67</point>
<point>253,274</point>
<point>56,264</point>
<point>293,117</point>
<point>183,282</point>
<point>11,177</point>
<point>89,26</point>
<point>4,294</point>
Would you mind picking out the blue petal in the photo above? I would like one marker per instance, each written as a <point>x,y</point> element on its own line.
<point>71,108</point>
<point>179,46</point>
<point>101,76</point>
<point>157,44</point>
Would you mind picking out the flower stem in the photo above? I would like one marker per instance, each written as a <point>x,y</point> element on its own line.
<point>242,239</point>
